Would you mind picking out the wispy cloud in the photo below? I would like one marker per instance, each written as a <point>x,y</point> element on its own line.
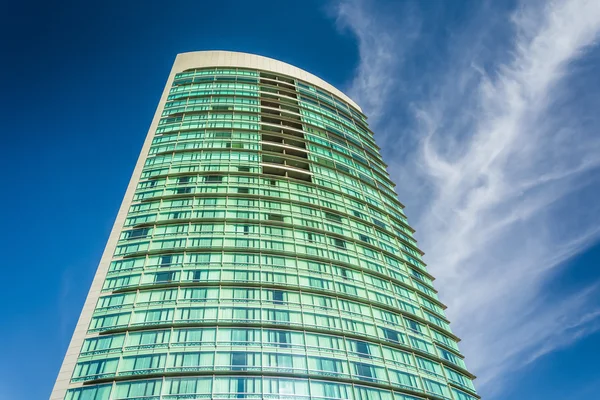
<point>375,81</point>
<point>496,158</point>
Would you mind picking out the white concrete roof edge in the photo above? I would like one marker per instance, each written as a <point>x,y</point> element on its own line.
<point>222,58</point>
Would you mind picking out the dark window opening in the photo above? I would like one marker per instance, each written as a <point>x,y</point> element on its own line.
<point>391,335</point>
<point>243,190</point>
<point>138,233</point>
<point>241,388</point>
<point>213,178</point>
<point>379,223</point>
<point>357,214</point>
<point>364,370</point>
<point>416,274</point>
<point>294,163</point>
<point>362,348</point>
<point>284,339</point>
<point>183,179</point>
<point>447,355</point>
<point>364,238</point>
<point>164,277</point>
<point>184,190</point>
<point>197,275</point>
<point>272,139</point>
<point>339,243</point>
<point>299,175</point>
<point>165,261</point>
<point>295,143</point>
<point>342,168</point>
<point>413,325</point>
<point>273,171</point>
<point>277,296</point>
<point>222,108</point>
<point>238,361</point>
<point>333,217</point>
<point>273,159</point>
<point>275,217</point>
<point>243,169</point>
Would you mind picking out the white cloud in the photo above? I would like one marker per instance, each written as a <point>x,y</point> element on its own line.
<point>375,81</point>
<point>496,160</point>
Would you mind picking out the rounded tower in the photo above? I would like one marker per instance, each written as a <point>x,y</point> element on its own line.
<point>261,253</point>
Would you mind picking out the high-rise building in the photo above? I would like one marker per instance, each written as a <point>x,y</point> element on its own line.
<point>260,252</point>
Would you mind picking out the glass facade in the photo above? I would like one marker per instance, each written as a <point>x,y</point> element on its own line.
<point>265,254</point>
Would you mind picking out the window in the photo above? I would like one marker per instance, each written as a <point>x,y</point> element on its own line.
<point>275,217</point>
<point>164,277</point>
<point>243,190</point>
<point>213,179</point>
<point>364,371</point>
<point>415,326</point>
<point>91,393</point>
<point>448,356</point>
<point>165,261</point>
<point>138,233</point>
<point>379,223</point>
<point>362,348</point>
<point>333,217</point>
<point>127,390</point>
<point>343,273</point>
<point>183,179</point>
<point>282,361</point>
<point>458,395</point>
<point>357,214</point>
<point>184,190</point>
<point>420,344</point>
<point>197,275</point>
<point>96,369</point>
<point>416,274</point>
<point>284,338</point>
<point>277,296</point>
<point>435,387</point>
<point>364,238</point>
<point>239,336</point>
<point>390,335</point>
<point>342,168</point>
<point>243,169</point>
<point>241,387</point>
<point>328,364</point>
<point>278,316</point>
<point>238,361</point>
<point>317,283</point>
<point>339,243</point>
<point>246,229</point>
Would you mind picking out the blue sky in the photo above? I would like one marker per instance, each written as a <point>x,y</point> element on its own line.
<point>486,112</point>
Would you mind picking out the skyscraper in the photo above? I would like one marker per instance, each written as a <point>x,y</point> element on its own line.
<point>260,252</point>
